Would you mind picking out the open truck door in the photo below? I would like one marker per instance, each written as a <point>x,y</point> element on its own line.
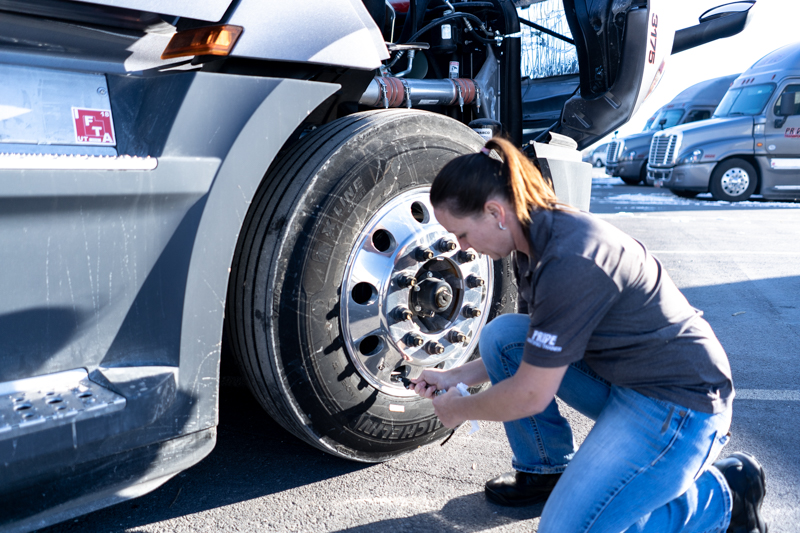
<point>623,50</point>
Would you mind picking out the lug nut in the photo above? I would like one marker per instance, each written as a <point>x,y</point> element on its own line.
<point>446,245</point>
<point>474,281</point>
<point>456,337</point>
<point>414,340</point>
<point>471,312</point>
<point>406,281</point>
<point>434,348</point>
<point>466,257</point>
<point>402,314</point>
<point>423,254</point>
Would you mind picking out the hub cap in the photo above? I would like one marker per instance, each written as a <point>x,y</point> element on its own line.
<point>412,299</point>
<point>735,181</point>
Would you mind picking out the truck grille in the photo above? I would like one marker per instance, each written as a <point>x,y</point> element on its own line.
<point>612,155</point>
<point>663,149</point>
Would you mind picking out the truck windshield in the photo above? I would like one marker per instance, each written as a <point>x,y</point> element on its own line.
<point>666,119</point>
<point>744,100</point>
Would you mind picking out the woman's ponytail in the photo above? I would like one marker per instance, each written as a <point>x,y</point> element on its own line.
<point>465,184</point>
<point>526,186</point>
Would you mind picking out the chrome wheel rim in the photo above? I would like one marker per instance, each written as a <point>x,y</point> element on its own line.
<point>735,181</point>
<point>394,328</point>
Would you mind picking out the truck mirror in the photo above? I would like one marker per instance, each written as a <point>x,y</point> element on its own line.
<point>662,122</point>
<point>716,23</point>
<point>727,9</point>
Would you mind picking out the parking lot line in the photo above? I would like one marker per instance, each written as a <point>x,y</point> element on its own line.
<point>766,394</point>
<point>732,252</point>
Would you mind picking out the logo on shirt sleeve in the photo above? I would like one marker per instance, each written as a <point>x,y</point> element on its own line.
<point>545,341</point>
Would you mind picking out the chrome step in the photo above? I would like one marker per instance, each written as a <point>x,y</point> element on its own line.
<point>54,161</point>
<point>34,404</point>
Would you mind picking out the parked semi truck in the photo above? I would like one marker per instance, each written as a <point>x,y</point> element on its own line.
<point>175,173</point>
<point>627,156</point>
<point>751,144</point>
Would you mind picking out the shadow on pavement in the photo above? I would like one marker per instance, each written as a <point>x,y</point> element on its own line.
<point>451,517</point>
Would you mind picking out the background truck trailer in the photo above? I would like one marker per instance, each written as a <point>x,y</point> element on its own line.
<point>175,174</point>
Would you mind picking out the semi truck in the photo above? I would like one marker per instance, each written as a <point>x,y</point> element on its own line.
<point>178,176</point>
<point>748,147</point>
<point>627,156</point>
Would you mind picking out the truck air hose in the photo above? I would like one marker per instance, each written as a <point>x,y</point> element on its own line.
<point>439,22</point>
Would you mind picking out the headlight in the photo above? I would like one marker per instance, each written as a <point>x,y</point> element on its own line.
<point>628,156</point>
<point>758,129</point>
<point>694,157</point>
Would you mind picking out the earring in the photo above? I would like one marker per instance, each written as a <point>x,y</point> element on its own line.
<point>502,227</point>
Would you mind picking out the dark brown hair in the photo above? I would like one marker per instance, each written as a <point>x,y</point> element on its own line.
<point>465,184</point>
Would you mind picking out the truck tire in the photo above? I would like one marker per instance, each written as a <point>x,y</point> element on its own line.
<point>322,322</point>
<point>643,173</point>
<point>642,176</point>
<point>733,180</point>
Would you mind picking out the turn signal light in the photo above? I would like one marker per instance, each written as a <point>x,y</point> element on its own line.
<point>212,40</point>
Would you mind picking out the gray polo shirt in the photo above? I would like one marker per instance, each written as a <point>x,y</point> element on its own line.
<point>595,293</point>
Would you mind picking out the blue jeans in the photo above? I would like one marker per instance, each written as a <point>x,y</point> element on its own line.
<point>644,467</point>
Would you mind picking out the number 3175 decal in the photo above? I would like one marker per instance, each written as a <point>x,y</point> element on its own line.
<point>651,56</point>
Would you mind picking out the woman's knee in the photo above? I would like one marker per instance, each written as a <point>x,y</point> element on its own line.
<point>496,333</point>
<point>502,333</point>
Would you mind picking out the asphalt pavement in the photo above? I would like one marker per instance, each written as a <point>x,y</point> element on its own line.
<point>739,263</point>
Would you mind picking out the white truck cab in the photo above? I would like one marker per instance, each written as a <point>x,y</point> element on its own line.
<point>750,146</point>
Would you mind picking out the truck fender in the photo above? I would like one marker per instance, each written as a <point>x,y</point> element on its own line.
<point>227,202</point>
<point>719,150</point>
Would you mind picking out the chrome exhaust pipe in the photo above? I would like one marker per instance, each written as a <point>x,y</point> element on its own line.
<point>389,91</point>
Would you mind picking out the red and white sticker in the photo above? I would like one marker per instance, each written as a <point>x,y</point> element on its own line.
<point>93,126</point>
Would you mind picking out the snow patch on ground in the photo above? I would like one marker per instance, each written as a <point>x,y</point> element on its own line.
<point>656,199</point>
<point>604,182</point>
<point>649,199</point>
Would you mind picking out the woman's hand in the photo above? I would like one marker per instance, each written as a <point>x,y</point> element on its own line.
<point>447,407</point>
<point>431,380</point>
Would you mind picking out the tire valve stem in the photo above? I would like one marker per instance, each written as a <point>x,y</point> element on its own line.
<point>456,337</point>
<point>474,281</point>
<point>406,281</point>
<point>434,348</point>
<point>466,257</point>
<point>471,312</point>
<point>446,245</point>
<point>402,314</point>
<point>423,254</point>
<point>414,340</point>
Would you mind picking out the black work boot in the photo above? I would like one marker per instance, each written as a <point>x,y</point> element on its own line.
<point>745,477</point>
<point>517,489</point>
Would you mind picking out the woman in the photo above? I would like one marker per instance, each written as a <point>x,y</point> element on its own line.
<point>604,328</point>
